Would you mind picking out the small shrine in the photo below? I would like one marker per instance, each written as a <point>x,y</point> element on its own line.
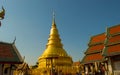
<point>9,58</point>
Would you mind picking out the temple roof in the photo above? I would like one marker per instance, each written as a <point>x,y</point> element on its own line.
<point>113,50</point>
<point>97,39</point>
<point>96,43</point>
<point>102,45</point>
<point>9,53</point>
<point>114,29</point>
<point>112,44</point>
<point>94,51</point>
<point>113,40</point>
<point>90,58</point>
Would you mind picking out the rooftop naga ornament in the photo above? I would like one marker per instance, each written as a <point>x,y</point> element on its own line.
<point>2,14</point>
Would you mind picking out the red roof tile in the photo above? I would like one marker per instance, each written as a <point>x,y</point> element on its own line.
<point>92,58</point>
<point>114,39</point>
<point>5,51</point>
<point>96,43</point>
<point>98,38</point>
<point>9,53</point>
<point>112,42</point>
<point>114,29</point>
<point>93,53</point>
<point>96,48</point>
<point>113,50</point>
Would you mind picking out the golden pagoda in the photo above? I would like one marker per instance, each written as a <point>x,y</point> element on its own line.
<point>54,58</point>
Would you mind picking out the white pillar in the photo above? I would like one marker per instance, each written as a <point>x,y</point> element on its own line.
<point>109,67</point>
<point>86,69</point>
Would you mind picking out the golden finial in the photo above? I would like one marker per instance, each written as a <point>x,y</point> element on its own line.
<point>53,22</point>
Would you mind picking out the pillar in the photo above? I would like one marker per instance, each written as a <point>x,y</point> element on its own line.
<point>96,67</point>
<point>109,66</point>
<point>86,69</point>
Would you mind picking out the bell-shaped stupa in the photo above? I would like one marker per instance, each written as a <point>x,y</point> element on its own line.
<point>54,56</point>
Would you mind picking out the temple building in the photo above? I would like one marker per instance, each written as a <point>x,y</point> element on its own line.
<point>111,51</point>
<point>54,58</point>
<point>9,58</point>
<point>93,58</point>
<point>103,53</point>
<point>9,54</point>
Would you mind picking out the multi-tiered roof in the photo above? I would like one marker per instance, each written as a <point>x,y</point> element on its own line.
<point>103,45</point>
<point>112,44</point>
<point>95,47</point>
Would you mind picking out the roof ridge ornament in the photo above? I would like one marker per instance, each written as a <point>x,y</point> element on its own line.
<point>14,40</point>
<point>2,14</point>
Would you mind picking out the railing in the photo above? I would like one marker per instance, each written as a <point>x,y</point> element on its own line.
<point>117,72</point>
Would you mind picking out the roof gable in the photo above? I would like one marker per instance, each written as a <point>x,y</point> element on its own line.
<point>5,51</point>
<point>9,53</point>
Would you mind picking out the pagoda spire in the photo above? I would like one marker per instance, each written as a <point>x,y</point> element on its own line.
<point>54,47</point>
<point>54,39</point>
<point>53,21</point>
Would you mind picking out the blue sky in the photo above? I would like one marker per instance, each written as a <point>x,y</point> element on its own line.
<point>77,20</point>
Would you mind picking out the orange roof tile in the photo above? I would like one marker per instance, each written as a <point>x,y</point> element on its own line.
<point>115,49</point>
<point>92,58</point>
<point>113,46</point>
<point>114,29</point>
<point>98,38</point>
<point>96,48</point>
<point>96,43</point>
<point>114,39</point>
